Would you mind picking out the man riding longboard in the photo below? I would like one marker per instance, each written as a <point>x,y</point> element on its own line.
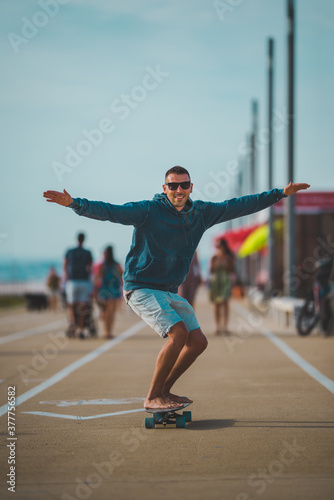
<point>167,230</point>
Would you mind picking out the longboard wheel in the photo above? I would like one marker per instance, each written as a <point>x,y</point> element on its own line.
<point>149,423</point>
<point>187,415</point>
<point>180,421</point>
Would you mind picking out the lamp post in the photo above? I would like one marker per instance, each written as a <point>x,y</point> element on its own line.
<point>290,212</point>
<point>253,140</point>
<point>270,161</point>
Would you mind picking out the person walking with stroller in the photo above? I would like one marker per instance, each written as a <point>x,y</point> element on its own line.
<point>78,287</point>
<point>167,231</point>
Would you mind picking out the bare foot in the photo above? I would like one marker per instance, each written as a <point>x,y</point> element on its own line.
<point>160,403</point>
<point>178,399</point>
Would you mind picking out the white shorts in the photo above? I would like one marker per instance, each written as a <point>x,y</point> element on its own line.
<point>78,291</point>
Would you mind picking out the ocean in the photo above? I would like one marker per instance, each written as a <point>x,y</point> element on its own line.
<point>27,270</point>
<point>20,276</point>
<point>37,270</point>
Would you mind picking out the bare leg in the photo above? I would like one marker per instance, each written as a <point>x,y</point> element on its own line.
<point>216,308</point>
<point>71,318</point>
<point>109,318</point>
<point>195,345</point>
<point>167,357</point>
<point>70,312</point>
<point>53,303</point>
<point>226,314</point>
<point>82,314</point>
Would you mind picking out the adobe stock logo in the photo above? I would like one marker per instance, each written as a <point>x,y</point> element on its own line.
<point>223,8</point>
<point>31,27</point>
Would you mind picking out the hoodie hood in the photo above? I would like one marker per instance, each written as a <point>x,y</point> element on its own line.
<point>163,199</point>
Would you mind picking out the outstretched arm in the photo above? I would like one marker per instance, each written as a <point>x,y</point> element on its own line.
<point>133,213</point>
<point>215,213</point>
<point>292,188</point>
<point>64,198</point>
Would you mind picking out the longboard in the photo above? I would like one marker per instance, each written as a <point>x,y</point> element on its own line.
<point>165,417</point>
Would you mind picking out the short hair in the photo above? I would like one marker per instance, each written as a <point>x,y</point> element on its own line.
<point>81,237</point>
<point>178,171</point>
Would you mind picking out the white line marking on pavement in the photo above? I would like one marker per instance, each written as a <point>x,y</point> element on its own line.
<point>75,365</point>
<point>33,331</point>
<point>301,362</point>
<point>290,353</point>
<point>76,417</point>
<point>94,402</point>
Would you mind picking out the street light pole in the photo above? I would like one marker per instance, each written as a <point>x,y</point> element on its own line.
<point>290,213</point>
<point>255,120</point>
<point>270,161</point>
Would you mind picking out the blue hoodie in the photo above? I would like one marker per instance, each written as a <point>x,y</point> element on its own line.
<point>164,240</point>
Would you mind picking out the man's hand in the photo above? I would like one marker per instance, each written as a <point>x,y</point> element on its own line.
<point>63,198</point>
<point>292,188</point>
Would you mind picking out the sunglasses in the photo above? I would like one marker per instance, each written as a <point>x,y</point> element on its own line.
<point>174,185</point>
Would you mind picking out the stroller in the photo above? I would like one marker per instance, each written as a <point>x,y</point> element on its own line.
<point>87,310</point>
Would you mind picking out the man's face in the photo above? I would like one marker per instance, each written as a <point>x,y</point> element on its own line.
<point>179,197</point>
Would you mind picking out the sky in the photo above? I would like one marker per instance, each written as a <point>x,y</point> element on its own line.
<point>102,97</point>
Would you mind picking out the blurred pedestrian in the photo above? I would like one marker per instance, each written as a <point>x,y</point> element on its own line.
<point>190,285</point>
<point>222,266</point>
<point>53,285</point>
<point>78,287</point>
<point>108,289</point>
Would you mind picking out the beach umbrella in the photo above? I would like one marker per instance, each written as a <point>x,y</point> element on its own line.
<point>255,241</point>
<point>236,237</point>
<point>258,239</point>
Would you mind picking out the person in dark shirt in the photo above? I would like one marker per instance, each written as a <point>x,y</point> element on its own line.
<point>78,287</point>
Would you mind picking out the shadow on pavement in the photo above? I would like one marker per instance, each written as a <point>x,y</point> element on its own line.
<point>207,425</point>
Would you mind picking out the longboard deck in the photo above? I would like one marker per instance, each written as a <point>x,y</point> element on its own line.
<point>170,410</point>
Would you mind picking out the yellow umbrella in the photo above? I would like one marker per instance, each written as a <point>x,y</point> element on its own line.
<point>254,241</point>
<point>257,239</point>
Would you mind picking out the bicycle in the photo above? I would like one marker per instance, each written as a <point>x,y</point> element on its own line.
<point>319,305</point>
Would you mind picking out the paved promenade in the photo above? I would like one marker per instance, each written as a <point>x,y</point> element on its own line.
<point>263,413</point>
